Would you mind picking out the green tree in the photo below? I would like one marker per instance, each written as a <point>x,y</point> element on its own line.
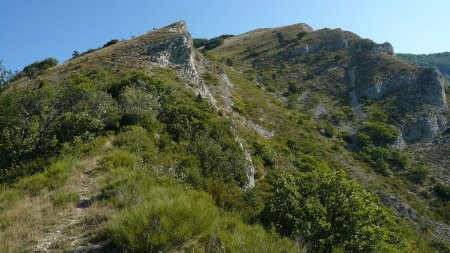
<point>380,133</point>
<point>329,211</point>
<point>213,43</point>
<point>200,42</point>
<point>35,123</point>
<point>110,43</point>
<point>138,107</point>
<point>5,74</point>
<point>38,67</point>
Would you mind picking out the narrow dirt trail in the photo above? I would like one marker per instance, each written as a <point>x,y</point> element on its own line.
<point>86,187</point>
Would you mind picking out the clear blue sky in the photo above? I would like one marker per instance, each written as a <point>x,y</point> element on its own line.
<point>35,29</point>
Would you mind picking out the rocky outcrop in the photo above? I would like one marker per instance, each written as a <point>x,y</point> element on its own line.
<point>386,48</point>
<point>313,47</point>
<point>417,91</point>
<point>414,87</point>
<point>250,169</point>
<point>177,52</point>
<point>441,230</point>
<point>401,207</point>
<point>424,128</point>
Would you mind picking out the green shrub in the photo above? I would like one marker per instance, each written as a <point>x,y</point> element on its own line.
<point>118,159</point>
<point>301,34</point>
<point>267,155</point>
<point>210,79</point>
<point>293,87</point>
<point>38,67</point>
<point>327,129</point>
<point>440,246</point>
<point>213,43</point>
<point>110,43</point>
<point>37,123</point>
<point>200,42</point>
<point>377,115</point>
<point>229,62</point>
<point>230,235</point>
<point>166,219</point>
<point>138,107</point>
<point>380,133</point>
<point>135,139</point>
<point>63,198</point>
<point>419,172</point>
<point>329,211</point>
<point>378,157</point>
<point>52,178</point>
<point>385,160</point>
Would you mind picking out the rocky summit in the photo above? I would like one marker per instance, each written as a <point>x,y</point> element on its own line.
<point>284,139</point>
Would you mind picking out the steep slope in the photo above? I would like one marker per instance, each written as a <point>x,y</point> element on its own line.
<point>231,125</point>
<point>335,62</point>
<point>337,77</point>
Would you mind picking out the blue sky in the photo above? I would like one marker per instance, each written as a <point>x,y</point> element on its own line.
<point>35,29</point>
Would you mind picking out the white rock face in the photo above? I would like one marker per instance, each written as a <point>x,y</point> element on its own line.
<point>418,92</point>
<point>248,165</point>
<point>424,128</point>
<point>225,89</point>
<point>177,52</point>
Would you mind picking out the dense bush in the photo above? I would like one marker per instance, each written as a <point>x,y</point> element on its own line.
<point>118,158</point>
<point>419,172</point>
<point>385,160</point>
<point>200,42</point>
<point>53,177</point>
<point>378,133</point>
<point>267,155</point>
<point>111,42</point>
<point>138,107</point>
<point>37,67</point>
<point>213,43</point>
<point>326,209</point>
<point>209,44</point>
<point>36,123</point>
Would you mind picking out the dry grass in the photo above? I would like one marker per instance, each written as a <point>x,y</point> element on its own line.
<point>44,221</point>
<point>25,222</point>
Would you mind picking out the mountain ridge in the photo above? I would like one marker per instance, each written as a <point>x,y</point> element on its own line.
<point>273,102</point>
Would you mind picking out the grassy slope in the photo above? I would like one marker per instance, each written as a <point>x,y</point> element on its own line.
<point>253,54</point>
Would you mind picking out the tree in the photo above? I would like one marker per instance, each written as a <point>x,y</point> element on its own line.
<point>5,74</point>
<point>75,54</point>
<point>328,210</point>
<point>111,42</point>
<point>200,42</point>
<point>380,134</point>
<point>38,67</point>
<point>35,123</point>
<point>213,43</point>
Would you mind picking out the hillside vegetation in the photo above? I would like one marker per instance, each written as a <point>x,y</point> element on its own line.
<point>150,145</point>
<point>438,60</point>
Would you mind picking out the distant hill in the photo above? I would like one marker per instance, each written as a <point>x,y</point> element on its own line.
<point>440,60</point>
